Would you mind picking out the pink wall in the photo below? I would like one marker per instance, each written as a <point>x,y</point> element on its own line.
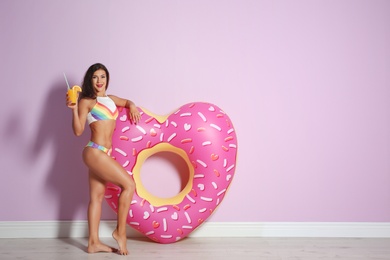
<point>306,84</point>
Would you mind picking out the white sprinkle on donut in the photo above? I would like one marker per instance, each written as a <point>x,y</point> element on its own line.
<point>185,114</point>
<point>230,167</point>
<point>214,185</point>
<point>206,199</point>
<point>134,223</point>
<point>224,163</point>
<point>166,236</point>
<point>161,137</point>
<point>165,224</point>
<point>202,210</point>
<point>126,128</point>
<point>171,137</point>
<point>162,209</point>
<point>202,163</point>
<point>136,139</point>
<point>202,116</point>
<point>216,127</point>
<point>206,143</point>
<point>141,129</point>
<point>187,217</point>
<point>190,199</point>
<point>198,176</point>
<point>232,146</point>
<point>174,124</point>
<point>186,227</point>
<point>121,152</point>
<point>221,192</point>
<point>126,164</point>
<point>231,130</point>
<point>157,126</point>
<point>149,233</point>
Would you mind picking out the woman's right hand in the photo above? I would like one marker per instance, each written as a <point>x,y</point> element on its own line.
<point>69,103</point>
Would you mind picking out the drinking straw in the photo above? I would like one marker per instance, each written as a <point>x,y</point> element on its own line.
<point>66,81</point>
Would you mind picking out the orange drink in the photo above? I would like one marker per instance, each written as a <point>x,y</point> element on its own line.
<point>73,94</point>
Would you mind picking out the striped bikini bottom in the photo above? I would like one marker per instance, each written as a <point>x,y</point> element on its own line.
<point>99,147</point>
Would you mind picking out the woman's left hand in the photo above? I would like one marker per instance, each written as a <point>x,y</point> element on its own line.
<point>135,116</point>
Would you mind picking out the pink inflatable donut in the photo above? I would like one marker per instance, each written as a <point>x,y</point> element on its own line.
<point>203,135</point>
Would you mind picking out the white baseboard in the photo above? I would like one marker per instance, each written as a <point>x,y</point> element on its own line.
<point>55,229</point>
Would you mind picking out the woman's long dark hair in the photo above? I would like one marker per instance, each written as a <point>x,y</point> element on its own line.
<point>87,89</point>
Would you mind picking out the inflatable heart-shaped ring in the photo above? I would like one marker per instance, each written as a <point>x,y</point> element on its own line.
<point>204,137</point>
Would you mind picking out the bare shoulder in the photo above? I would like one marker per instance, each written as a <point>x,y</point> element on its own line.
<point>86,103</point>
<point>118,101</point>
<point>113,97</point>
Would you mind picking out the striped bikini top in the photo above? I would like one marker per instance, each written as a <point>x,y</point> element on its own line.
<point>104,109</point>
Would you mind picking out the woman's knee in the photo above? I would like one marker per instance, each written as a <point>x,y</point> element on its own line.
<point>128,185</point>
<point>97,196</point>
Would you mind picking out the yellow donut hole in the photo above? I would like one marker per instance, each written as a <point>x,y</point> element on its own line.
<point>141,189</point>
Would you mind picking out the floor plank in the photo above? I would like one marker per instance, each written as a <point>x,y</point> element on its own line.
<point>204,248</point>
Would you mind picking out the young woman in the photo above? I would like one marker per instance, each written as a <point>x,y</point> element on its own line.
<point>100,111</point>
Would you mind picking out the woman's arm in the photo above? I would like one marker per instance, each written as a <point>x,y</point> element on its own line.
<point>133,110</point>
<point>79,115</point>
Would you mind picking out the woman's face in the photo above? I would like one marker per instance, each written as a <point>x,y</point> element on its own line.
<point>99,81</point>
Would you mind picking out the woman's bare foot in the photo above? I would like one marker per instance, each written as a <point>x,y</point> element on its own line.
<point>122,242</point>
<point>99,247</point>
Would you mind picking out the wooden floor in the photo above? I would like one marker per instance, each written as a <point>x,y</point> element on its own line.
<point>204,248</point>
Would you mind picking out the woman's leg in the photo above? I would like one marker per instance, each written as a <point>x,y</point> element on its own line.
<point>96,190</point>
<point>108,170</point>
